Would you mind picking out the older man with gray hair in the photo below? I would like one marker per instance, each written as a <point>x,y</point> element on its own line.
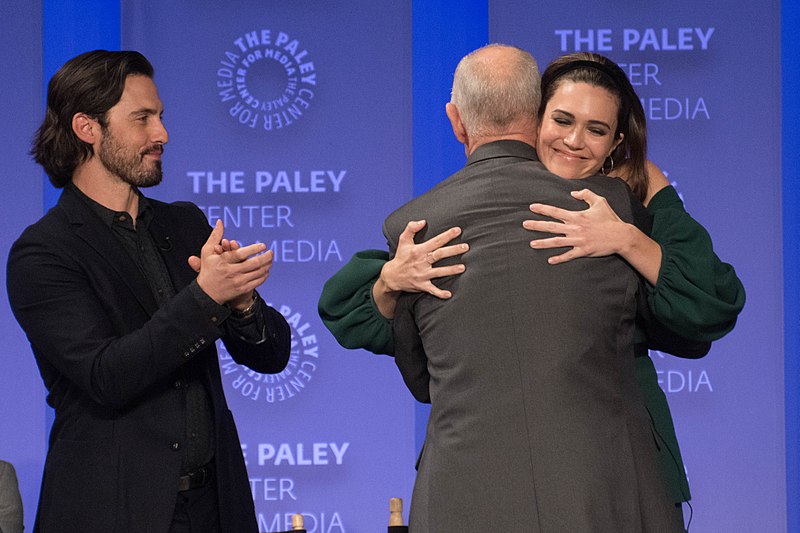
<point>536,420</point>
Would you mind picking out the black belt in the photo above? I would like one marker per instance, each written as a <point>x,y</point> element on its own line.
<point>196,478</point>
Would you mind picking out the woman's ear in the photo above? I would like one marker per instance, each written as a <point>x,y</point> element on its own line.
<point>617,143</point>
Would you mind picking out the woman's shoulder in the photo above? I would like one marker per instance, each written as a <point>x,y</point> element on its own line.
<point>665,198</point>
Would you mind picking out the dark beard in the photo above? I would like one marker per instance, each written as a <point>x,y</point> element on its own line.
<point>129,167</point>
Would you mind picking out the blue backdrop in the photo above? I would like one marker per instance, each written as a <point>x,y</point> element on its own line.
<point>292,125</point>
<point>702,124</point>
<point>304,124</point>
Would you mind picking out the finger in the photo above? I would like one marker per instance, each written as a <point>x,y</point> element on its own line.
<point>545,226</point>
<point>243,274</point>
<point>215,237</point>
<point>253,279</point>
<point>229,245</point>
<point>235,245</point>
<point>267,259</point>
<point>260,275</point>
<point>552,242</point>
<point>226,246</point>
<point>565,257</point>
<point>587,196</point>
<point>432,289</point>
<point>453,250</point>
<point>256,262</point>
<point>250,265</point>
<point>194,263</point>
<point>441,239</point>
<point>452,270</point>
<point>551,211</point>
<point>411,229</point>
<point>246,287</point>
<point>241,254</point>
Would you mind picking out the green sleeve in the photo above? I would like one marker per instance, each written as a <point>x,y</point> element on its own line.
<point>347,309</point>
<point>696,294</point>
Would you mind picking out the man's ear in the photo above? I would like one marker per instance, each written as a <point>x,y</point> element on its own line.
<point>455,121</point>
<point>86,128</point>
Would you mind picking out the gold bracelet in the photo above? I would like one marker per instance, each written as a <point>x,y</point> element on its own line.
<point>248,311</point>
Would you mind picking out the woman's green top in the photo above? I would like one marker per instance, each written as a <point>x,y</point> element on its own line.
<point>696,295</point>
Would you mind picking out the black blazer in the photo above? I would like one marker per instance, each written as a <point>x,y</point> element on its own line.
<point>108,357</point>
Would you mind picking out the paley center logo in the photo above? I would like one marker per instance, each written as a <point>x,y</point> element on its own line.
<point>293,380</point>
<point>266,80</point>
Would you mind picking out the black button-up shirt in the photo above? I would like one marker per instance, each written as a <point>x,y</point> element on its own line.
<point>198,448</point>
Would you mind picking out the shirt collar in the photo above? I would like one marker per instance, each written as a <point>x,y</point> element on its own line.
<point>109,216</point>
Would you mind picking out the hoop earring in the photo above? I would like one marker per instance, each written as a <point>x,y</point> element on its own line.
<point>603,168</point>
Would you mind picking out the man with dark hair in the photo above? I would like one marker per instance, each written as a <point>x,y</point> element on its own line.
<point>92,84</point>
<point>122,298</point>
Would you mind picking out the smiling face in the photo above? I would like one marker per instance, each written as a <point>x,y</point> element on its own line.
<point>577,130</point>
<point>133,138</point>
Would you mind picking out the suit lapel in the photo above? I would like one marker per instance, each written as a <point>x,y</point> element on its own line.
<point>173,248</point>
<point>89,228</point>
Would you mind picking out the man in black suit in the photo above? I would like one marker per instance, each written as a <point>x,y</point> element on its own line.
<point>122,298</point>
<point>536,421</point>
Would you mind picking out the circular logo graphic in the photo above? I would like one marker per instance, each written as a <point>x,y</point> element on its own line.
<point>292,381</point>
<point>266,80</point>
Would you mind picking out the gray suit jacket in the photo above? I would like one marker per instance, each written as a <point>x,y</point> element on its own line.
<point>536,422</point>
<point>10,500</point>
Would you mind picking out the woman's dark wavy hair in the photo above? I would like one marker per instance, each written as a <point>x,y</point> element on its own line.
<point>90,83</point>
<point>600,71</point>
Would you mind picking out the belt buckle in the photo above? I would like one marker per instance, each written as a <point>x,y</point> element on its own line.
<point>194,479</point>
